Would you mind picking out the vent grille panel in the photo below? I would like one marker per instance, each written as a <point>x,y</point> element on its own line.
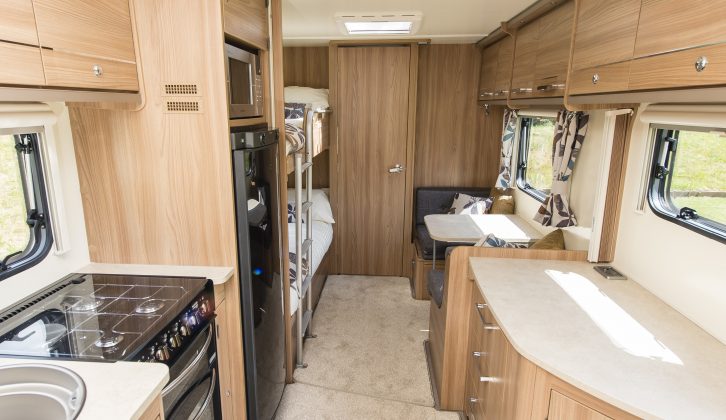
<point>180,89</point>
<point>180,106</point>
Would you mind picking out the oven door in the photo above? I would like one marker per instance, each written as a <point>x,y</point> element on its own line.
<point>193,392</point>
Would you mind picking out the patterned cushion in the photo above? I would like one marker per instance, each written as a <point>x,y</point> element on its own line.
<point>295,137</point>
<point>293,269</point>
<point>492,241</point>
<point>467,204</point>
<point>294,110</point>
<point>291,213</point>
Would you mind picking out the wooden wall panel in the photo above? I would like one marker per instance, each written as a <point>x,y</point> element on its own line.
<point>306,66</point>
<point>457,144</point>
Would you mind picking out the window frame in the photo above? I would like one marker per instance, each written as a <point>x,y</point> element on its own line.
<point>41,235</point>
<point>525,125</point>
<point>661,203</point>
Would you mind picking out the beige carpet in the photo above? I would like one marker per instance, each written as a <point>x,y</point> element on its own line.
<point>368,360</point>
<point>309,402</point>
<point>370,334</point>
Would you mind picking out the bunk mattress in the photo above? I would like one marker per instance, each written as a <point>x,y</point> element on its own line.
<point>322,238</point>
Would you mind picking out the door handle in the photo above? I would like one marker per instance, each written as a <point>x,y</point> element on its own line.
<point>396,169</point>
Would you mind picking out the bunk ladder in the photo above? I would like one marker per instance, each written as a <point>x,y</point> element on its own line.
<point>303,248</point>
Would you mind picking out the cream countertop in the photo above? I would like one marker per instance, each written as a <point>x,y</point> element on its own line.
<point>610,338</point>
<point>218,275</point>
<point>114,391</point>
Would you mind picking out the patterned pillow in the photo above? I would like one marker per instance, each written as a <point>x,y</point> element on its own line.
<point>295,137</point>
<point>294,110</point>
<point>291,213</point>
<point>492,241</point>
<point>467,204</point>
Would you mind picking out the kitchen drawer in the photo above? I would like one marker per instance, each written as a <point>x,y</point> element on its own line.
<point>22,65</point>
<point>71,70</point>
<point>679,69</point>
<point>601,79</point>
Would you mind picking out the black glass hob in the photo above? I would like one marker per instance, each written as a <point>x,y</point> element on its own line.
<point>105,317</point>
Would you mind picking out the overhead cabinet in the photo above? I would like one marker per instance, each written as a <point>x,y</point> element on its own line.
<point>69,44</point>
<point>631,45</point>
<point>496,70</point>
<point>246,20</point>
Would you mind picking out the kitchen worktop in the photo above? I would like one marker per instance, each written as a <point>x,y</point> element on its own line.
<point>218,275</point>
<point>610,338</point>
<point>114,391</point>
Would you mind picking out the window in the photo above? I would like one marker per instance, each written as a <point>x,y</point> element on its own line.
<point>25,236</point>
<point>534,162</point>
<point>688,178</point>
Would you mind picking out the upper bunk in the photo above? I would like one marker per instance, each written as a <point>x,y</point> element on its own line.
<point>307,116</point>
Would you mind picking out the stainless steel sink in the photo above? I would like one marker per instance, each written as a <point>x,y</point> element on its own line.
<point>40,392</point>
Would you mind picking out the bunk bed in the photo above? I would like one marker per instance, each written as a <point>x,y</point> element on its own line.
<point>309,216</point>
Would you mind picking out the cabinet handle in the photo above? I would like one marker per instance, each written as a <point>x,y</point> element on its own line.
<point>479,354</point>
<point>486,93</point>
<point>97,70</point>
<point>522,90</point>
<point>552,86</point>
<point>701,63</point>
<point>487,326</point>
<point>595,78</point>
<point>487,379</point>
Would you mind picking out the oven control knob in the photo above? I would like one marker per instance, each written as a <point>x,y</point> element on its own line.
<point>162,353</point>
<point>203,306</point>
<point>175,340</point>
<point>184,331</point>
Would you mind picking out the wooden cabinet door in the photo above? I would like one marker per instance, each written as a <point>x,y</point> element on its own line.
<point>553,53</point>
<point>18,22</point>
<point>495,374</point>
<point>21,65</point>
<point>373,115</point>
<point>100,28</point>
<point>488,71</point>
<point>671,25</point>
<point>247,21</point>
<point>230,353</point>
<point>605,32</point>
<point>679,69</point>
<point>526,44</point>
<point>564,408</point>
<point>504,68</point>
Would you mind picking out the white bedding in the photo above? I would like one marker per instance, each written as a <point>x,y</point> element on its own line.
<point>317,98</point>
<point>322,238</point>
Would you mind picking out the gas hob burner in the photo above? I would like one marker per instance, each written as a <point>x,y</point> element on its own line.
<point>109,341</point>
<point>87,304</point>
<point>149,306</point>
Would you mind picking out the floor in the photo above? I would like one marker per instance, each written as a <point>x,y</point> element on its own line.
<point>368,360</point>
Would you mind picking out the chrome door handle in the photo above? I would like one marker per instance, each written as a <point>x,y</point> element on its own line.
<point>396,169</point>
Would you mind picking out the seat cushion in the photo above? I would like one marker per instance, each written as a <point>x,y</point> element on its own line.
<point>426,244</point>
<point>435,285</point>
<point>438,200</point>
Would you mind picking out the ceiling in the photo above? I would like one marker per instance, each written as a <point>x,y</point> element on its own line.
<point>312,22</point>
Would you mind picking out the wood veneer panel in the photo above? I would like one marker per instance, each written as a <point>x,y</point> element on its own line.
<point>605,32</point>
<point>673,25</point>
<point>525,57</point>
<point>373,114</point>
<point>18,22</point>
<point>101,28</point>
<point>456,143</point>
<point>677,69</point>
<point>306,66</point>
<point>72,70</point>
<point>488,71</point>
<point>564,408</point>
<point>26,68</point>
<point>554,48</point>
<point>246,20</point>
<point>615,187</point>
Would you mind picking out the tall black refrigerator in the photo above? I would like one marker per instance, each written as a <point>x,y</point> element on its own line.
<point>255,165</point>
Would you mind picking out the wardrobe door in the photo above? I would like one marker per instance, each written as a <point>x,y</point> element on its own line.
<point>372,114</point>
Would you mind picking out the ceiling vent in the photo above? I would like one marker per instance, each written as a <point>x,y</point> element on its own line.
<point>388,23</point>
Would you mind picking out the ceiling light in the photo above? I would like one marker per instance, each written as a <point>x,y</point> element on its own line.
<point>362,28</point>
<point>386,23</point>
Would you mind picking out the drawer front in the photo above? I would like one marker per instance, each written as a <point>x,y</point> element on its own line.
<point>695,67</point>
<point>22,65</point>
<point>70,70</point>
<point>602,79</point>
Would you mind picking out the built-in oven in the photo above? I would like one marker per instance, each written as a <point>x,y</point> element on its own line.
<point>244,83</point>
<point>192,393</point>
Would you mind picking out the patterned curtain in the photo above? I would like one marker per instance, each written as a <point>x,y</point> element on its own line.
<point>505,160</point>
<point>570,130</point>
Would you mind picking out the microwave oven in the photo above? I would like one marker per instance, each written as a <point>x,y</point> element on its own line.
<point>244,83</point>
